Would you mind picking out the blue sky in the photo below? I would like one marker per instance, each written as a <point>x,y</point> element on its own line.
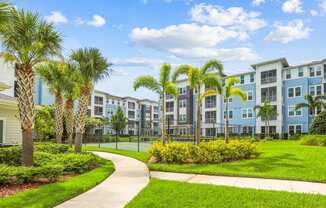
<point>138,35</point>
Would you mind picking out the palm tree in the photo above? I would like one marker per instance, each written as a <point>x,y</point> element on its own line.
<point>196,78</point>
<point>92,67</point>
<point>27,40</point>
<point>265,112</point>
<point>118,122</point>
<point>71,92</point>
<point>54,73</point>
<point>4,12</point>
<point>162,87</point>
<point>313,102</point>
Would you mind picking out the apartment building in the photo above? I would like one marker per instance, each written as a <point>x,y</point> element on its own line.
<point>275,80</point>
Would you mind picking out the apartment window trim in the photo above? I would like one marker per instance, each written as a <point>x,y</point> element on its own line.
<point>252,95</point>
<point>230,113</point>
<point>315,89</point>
<point>294,92</point>
<point>288,74</point>
<point>295,128</point>
<point>300,72</point>
<point>247,113</point>
<point>294,111</point>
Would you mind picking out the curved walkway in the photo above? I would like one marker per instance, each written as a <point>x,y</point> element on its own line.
<point>129,178</point>
<point>255,183</point>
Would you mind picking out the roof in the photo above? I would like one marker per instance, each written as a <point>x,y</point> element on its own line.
<point>307,64</point>
<point>282,60</point>
<point>127,97</point>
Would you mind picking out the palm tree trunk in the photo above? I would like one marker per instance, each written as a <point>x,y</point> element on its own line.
<point>58,118</point>
<point>25,81</point>
<point>163,120</point>
<point>226,126</point>
<point>198,121</point>
<point>83,103</point>
<point>69,120</point>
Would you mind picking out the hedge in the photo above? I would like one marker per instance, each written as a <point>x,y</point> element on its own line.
<point>206,152</point>
<point>314,140</point>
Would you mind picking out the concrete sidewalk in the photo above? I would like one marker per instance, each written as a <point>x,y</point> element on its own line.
<point>129,178</point>
<point>255,183</point>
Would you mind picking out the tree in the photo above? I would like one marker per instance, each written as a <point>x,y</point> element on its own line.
<point>118,122</point>
<point>266,112</point>
<point>71,92</point>
<point>27,40</point>
<point>313,103</point>
<point>4,13</point>
<point>162,87</point>
<point>196,78</point>
<point>92,67</point>
<point>44,122</point>
<point>54,73</point>
<point>319,124</point>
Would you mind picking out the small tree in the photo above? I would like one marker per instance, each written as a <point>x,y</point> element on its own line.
<point>266,112</point>
<point>44,122</point>
<point>118,122</point>
<point>319,124</point>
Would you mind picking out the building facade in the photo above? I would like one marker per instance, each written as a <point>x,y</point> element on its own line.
<point>275,80</point>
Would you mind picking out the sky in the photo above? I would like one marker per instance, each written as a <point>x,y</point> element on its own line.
<point>139,35</point>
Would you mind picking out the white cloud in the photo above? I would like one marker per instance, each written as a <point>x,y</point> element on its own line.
<point>313,12</point>
<point>257,2</point>
<point>137,62</point>
<point>97,21</point>
<point>294,30</point>
<point>233,18</point>
<point>322,5</point>
<point>292,6</point>
<point>116,72</point>
<point>56,17</point>
<point>191,41</point>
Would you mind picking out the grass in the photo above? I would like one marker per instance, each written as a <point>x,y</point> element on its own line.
<point>161,194</point>
<point>142,156</point>
<point>277,159</point>
<point>51,195</point>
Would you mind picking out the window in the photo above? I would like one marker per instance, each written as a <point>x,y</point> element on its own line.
<point>210,116</point>
<point>318,71</point>
<point>98,100</point>
<point>182,117</point>
<point>155,115</point>
<point>230,114</point>
<point>268,94</point>
<point>252,78</point>
<point>292,112</point>
<point>182,90</point>
<point>131,105</point>
<point>169,106</point>
<point>182,103</point>
<point>210,101</point>
<point>169,118</point>
<point>242,79</point>
<point>131,114</point>
<point>98,110</point>
<point>288,74</point>
<point>294,92</point>
<point>268,76</point>
<point>315,90</point>
<point>230,100</point>
<point>210,131</point>
<point>300,72</point>
<point>311,71</point>
<point>247,113</point>
<point>247,130</point>
<point>295,129</point>
<point>250,96</point>
<point>155,108</point>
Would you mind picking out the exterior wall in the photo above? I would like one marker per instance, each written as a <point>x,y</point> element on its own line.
<point>12,128</point>
<point>7,72</point>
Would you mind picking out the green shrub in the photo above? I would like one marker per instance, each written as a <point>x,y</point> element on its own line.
<point>10,155</point>
<point>77,163</point>
<point>206,152</point>
<point>52,148</point>
<point>319,124</point>
<point>314,140</point>
<point>44,158</point>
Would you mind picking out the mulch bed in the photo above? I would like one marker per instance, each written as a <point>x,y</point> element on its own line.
<point>11,189</point>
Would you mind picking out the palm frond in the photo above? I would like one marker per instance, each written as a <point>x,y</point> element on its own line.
<point>172,89</point>
<point>213,64</point>
<point>301,105</point>
<point>238,92</point>
<point>214,81</point>
<point>181,70</point>
<point>208,93</point>
<point>194,77</point>
<point>165,73</point>
<point>148,82</point>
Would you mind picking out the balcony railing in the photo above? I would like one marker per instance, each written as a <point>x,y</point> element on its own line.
<point>267,80</point>
<point>269,98</point>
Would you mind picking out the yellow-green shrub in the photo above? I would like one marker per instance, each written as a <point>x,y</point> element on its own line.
<point>206,152</point>
<point>314,140</point>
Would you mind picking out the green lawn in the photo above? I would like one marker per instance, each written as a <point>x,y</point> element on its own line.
<point>277,159</point>
<point>53,194</point>
<point>162,194</point>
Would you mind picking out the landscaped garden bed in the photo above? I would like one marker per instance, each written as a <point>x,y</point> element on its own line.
<point>314,140</point>
<point>52,163</point>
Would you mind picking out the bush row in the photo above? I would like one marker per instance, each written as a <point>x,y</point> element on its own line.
<point>205,152</point>
<point>314,140</point>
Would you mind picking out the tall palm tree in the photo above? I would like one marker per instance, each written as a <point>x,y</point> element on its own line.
<point>71,91</point>
<point>313,102</point>
<point>54,73</point>
<point>92,67</point>
<point>162,87</point>
<point>266,112</point>
<point>196,78</point>
<point>27,40</point>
